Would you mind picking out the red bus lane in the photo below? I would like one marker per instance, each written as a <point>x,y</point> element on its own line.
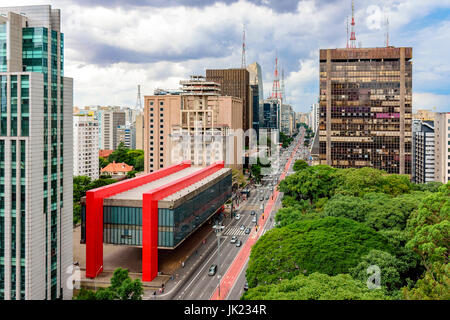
<point>228,280</point>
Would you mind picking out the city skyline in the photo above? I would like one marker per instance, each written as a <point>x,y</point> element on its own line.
<point>111,40</point>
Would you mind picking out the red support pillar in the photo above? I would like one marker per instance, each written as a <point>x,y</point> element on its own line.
<point>150,217</point>
<point>94,214</point>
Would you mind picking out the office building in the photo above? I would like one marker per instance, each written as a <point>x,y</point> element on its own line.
<point>36,199</point>
<point>442,146</point>
<point>255,77</point>
<point>235,83</point>
<point>271,113</point>
<point>423,159</point>
<point>85,146</point>
<point>365,108</point>
<point>109,124</point>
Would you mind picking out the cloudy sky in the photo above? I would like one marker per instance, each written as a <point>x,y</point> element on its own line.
<point>111,46</point>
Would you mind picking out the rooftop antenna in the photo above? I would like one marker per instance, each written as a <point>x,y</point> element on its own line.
<point>243,63</point>
<point>347,32</point>
<point>387,32</point>
<point>283,88</point>
<point>276,92</point>
<point>353,35</point>
<point>138,100</point>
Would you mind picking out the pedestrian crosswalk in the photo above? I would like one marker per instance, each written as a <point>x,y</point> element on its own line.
<point>234,231</point>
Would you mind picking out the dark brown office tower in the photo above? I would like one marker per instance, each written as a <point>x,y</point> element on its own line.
<point>365,108</point>
<point>235,83</point>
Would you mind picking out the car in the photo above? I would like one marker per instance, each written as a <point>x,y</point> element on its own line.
<point>247,231</point>
<point>233,239</point>
<point>212,270</point>
<point>267,197</point>
<point>246,286</point>
<point>253,212</point>
<point>242,228</point>
<point>238,243</point>
<point>261,199</point>
<point>238,216</point>
<point>254,219</point>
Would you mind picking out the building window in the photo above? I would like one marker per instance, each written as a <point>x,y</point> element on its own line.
<point>151,103</point>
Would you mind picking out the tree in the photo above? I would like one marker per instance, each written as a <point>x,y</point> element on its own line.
<point>391,270</point>
<point>289,215</point>
<point>122,288</point>
<point>429,228</point>
<point>311,183</point>
<point>237,178</point>
<point>328,245</point>
<point>434,285</point>
<point>300,165</point>
<point>139,163</point>
<point>131,174</point>
<point>316,286</point>
<point>102,162</point>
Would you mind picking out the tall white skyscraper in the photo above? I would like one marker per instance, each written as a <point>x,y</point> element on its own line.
<point>35,156</point>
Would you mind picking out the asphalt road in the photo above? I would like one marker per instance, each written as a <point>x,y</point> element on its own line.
<point>200,285</point>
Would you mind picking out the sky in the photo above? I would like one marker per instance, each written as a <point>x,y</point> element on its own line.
<point>111,46</point>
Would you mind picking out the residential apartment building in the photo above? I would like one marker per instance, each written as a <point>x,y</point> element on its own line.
<point>85,146</point>
<point>36,213</point>
<point>423,151</point>
<point>139,129</point>
<point>365,108</point>
<point>315,117</point>
<point>442,146</point>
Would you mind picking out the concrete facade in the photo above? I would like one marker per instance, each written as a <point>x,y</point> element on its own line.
<point>85,146</point>
<point>442,146</point>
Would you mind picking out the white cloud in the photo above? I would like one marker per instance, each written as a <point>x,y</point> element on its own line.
<point>430,101</point>
<point>110,50</point>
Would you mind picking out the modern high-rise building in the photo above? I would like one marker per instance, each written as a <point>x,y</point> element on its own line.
<point>235,83</point>
<point>255,77</point>
<point>423,159</point>
<point>365,108</point>
<point>286,119</point>
<point>255,108</point>
<point>315,117</point>
<point>442,146</point>
<point>271,113</point>
<point>35,156</point>
<point>85,146</point>
<point>109,123</point>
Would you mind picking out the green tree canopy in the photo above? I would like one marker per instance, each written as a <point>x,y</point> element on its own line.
<point>311,183</point>
<point>316,286</point>
<point>122,288</point>
<point>300,165</point>
<point>329,245</point>
<point>391,270</point>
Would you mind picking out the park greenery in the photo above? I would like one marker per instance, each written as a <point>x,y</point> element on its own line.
<point>122,154</point>
<point>255,169</point>
<point>122,288</point>
<point>285,140</point>
<point>336,223</point>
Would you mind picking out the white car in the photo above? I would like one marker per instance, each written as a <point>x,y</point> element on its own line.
<point>238,216</point>
<point>233,239</point>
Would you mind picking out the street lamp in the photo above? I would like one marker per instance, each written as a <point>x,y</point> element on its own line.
<point>218,229</point>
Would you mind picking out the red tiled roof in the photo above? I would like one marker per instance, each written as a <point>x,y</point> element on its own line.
<point>117,167</point>
<point>104,153</point>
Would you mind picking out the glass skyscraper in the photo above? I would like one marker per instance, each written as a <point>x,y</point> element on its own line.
<point>35,156</point>
<point>366,108</point>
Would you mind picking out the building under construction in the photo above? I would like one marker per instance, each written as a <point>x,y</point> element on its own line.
<point>193,125</point>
